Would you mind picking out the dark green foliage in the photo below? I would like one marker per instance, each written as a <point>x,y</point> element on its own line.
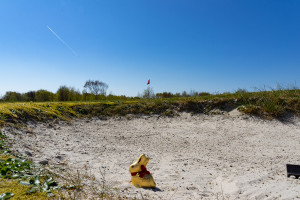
<point>165,95</point>
<point>74,95</point>
<point>29,96</point>
<point>12,97</point>
<point>14,168</point>
<point>44,95</point>
<point>63,93</point>
<point>239,91</point>
<point>87,96</point>
<point>203,94</point>
<point>119,98</point>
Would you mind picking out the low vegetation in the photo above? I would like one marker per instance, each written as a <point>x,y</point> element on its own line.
<point>265,104</point>
<point>20,178</point>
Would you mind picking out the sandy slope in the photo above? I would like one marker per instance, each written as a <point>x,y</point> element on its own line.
<point>192,157</point>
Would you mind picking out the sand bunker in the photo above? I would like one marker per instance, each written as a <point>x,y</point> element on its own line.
<point>192,157</point>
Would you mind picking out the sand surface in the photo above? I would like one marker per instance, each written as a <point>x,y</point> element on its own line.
<point>228,156</point>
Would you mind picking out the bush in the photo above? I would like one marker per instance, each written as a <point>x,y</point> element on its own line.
<point>63,93</point>
<point>165,95</point>
<point>203,94</point>
<point>44,95</point>
<point>12,96</point>
<point>29,96</point>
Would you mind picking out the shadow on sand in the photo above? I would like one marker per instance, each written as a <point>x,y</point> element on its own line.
<point>156,189</point>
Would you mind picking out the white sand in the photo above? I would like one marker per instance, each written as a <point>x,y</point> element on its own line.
<point>192,157</point>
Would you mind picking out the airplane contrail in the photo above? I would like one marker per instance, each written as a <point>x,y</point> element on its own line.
<point>57,36</point>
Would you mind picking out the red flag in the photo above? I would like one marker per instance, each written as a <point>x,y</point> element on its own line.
<point>148,82</point>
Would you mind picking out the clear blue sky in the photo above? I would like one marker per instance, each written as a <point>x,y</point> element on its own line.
<point>202,45</point>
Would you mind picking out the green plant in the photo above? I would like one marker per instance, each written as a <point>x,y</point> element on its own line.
<point>6,195</point>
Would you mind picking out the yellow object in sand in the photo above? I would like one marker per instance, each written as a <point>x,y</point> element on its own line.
<point>140,177</point>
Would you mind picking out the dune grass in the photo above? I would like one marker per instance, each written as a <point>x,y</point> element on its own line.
<point>265,104</point>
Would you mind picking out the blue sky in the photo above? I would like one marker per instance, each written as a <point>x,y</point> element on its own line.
<point>202,45</point>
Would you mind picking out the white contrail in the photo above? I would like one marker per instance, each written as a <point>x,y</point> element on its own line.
<point>62,41</point>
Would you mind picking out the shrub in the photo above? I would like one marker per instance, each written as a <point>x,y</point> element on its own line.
<point>44,95</point>
<point>164,95</point>
<point>29,96</point>
<point>63,93</point>
<point>203,94</point>
<point>12,97</point>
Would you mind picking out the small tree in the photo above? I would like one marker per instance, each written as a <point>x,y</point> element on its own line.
<point>96,87</point>
<point>63,93</point>
<point>29,96</point>
<point>148,93</point>
<point>44,95</point>
<point>74,94</point>
<point>184,94</point>
<point>12,96</point>
<point>164,95</point>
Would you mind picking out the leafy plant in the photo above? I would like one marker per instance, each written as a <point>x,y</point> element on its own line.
<point>14,168</point>
<point>38,186</point>
<point>6,196</point>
